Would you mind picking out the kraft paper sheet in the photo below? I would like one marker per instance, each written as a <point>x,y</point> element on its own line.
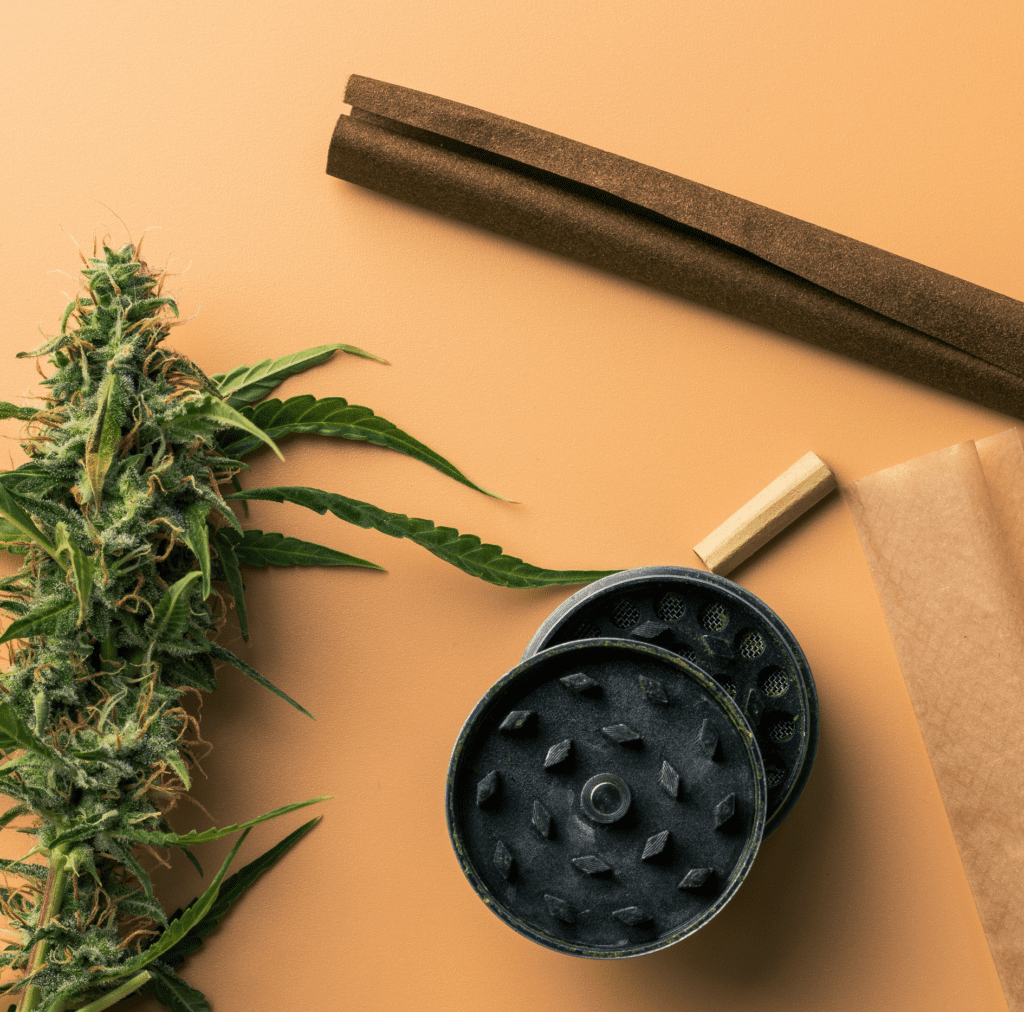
<point>944,538</point>
<point>684,238</point>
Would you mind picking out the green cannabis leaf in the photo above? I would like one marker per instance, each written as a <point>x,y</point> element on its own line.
<point>15,733</point>
<point>177,994</point>
<point>179,928</point>
<point>103,439</point>
<point>18,520</point>
<point>465,551</point>
<point>43,620</point>
<point>248,384</point>
<point>171,617</point>
<point>230,572</point>
<point>124,522</point>
<point>197,537</point>
<point>193,839</point>
<point>256,549</point>
<point>209,414</point>
<point>78,563</point>
<point>13,411</point>
<point>223,654</point>
<point>230,890</point>
<point>334,416</point>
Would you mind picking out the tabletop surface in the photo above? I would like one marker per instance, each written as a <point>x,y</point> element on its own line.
<point>626,425</point>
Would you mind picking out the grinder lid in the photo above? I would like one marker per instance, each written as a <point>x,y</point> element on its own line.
<point>730,633</point>
<point>606,798</point>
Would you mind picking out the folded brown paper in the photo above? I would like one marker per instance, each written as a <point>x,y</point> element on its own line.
<point>685,238</point>
<point>944,537</point>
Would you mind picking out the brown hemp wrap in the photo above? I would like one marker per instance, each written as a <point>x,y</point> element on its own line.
<point>684,238</point>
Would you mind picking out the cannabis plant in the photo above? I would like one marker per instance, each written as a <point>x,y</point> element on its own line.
<point>132,559</point>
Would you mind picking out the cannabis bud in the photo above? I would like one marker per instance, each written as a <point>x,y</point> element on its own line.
<point>132,562</point>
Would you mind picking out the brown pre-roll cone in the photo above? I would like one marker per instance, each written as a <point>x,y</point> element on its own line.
<point>519,198</point>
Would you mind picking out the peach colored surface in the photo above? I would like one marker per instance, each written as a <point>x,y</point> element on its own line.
<point>628,424</point>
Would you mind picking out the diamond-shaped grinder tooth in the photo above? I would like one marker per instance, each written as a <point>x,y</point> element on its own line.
<point>591,864</point>
<point>558,753</point>
<point>487,789</point>
<point>582,684</point>
<point>654,689</point>
<point>541,820</point>
<point>719,647</point>
<point>655,846</point>
<point>725,810</point>
<point>708,737</point>
<point>650,630</point>
<point>696,878</point>
<point>669,779</point>
<point>631,915</point>
<point>503,860</point>
<point>557,907</point>
<point>518,722</point>
<point>622,734</point>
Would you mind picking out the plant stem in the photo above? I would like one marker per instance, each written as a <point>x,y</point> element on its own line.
<point>53,900</point>
<point>111,997</point>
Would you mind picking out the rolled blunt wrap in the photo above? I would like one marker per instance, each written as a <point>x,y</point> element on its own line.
<point>684,238</point>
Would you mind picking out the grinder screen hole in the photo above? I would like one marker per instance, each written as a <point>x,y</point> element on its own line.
<point>751,644</point>
<point>715,618</point>
<point>781,727</point>
<point>670,608</point>
<point>625,614</point>
<point>587,629</point>
<point>775,774</point>
<point>773,682</point>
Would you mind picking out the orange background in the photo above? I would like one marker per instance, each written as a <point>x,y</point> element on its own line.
<point>626,423</point>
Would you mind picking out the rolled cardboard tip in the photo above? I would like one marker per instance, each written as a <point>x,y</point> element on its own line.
<point>771,511</point>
